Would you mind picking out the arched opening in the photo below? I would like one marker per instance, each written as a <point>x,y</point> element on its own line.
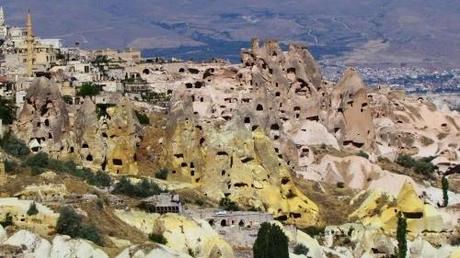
<point>241,224</point>
<point>223,223</point>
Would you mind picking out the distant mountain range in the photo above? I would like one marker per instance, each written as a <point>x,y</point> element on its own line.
<point>423,32</point>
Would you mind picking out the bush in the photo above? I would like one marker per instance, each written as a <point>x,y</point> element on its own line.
<point>313,231</point>
<point>300,249</point>
<point>421,166</point>
<point>425,168</point>
<point>88,89</point>
<point>363,154</point>
<point>228,205</point>
<point>67,99</point>
<point>405,161</point>
<point>143,118</point>
<point>162,174</point>
<point>70,223</point>
<point>8,221</point>
<point>38,163</point>
<point>32,209</point>
<point>14,146</point>
<point>90,232</point>
<point>271,242</point>
<point>142,189</point>
<point>158,238</point>
<point>100,179</point>
<point>10,166</point>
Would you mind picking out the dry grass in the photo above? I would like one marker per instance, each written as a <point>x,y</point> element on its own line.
<point>334,203</point>
<point>109,225</point>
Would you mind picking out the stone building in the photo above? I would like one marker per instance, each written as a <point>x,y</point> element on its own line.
<point>24,53</point>
<point>162,203</point>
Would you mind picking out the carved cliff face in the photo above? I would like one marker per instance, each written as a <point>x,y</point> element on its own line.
<point>101,137</point>
<point>44,119</point>
<point>234,162</point>
<point>107,137</point>
<point>351,107</point>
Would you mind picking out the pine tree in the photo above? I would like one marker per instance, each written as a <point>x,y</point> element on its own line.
<point>401,236</point>
<point>445,189</point>
<point>271,242</point>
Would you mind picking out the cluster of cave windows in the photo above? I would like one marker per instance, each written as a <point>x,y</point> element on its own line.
<point>230,222</point>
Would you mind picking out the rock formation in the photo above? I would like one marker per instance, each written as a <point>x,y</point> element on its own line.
<point>43,122</point>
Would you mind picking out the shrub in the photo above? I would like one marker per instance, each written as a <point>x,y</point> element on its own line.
<point>8,221</point>
<point>421,166</point>
<point>10,166</point>
<point>405,161</point>
<point>228,205</point>
<point>158,238</point>
<point>100,179</point>
<point>89,89</point>
<point>70,223</point>
<point>90,232</point>
<point>32,209</point>
<point>67,99</point>
<point>162,174</point>
<point>38,163</point>
<point>425,168</point>
<point>142,189</point>
<point>300,249</point>
<point>313,231</point>
<point>271,242</point>
<point>14,146</point>
<point>143,118</point>
<point>363,154</point>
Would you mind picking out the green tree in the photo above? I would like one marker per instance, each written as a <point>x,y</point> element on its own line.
<point>445,191</point>
<point>88,89</point>
<point>32,209</point>
<point>401,233</point>
<point>7,111</point>
<point>271,242</point>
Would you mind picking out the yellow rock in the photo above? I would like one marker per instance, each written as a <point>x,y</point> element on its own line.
<point>183,234</point>
<point>408,200</point>
<point>380,210</point>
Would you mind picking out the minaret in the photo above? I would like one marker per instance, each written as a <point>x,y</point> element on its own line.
<point>29,44</point>
<point>2,16</point>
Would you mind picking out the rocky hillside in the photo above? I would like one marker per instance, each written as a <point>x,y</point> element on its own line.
<point>268,139</point>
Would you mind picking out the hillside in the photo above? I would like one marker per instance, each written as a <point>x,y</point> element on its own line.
<point>359,32</point>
